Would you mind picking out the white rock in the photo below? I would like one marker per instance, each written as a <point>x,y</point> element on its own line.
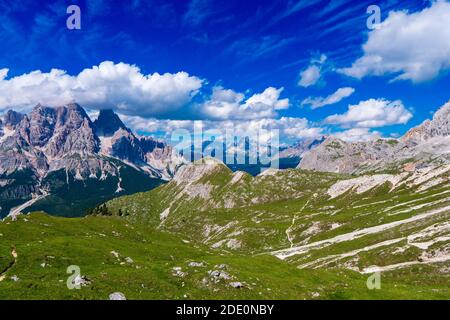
<point>236,285</point>
<point>117,296</point>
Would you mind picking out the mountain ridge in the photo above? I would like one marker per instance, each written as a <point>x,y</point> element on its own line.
<point>49,140</point>
<point>419,145</point>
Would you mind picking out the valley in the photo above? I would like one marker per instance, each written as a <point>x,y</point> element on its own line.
<point>210,232</point>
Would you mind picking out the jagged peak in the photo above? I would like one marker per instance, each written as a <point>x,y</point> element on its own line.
<point>108,122</point>
<point>443,111</point>
<point>41,109</point>
<point>438,126</point>
<point>12,118</point>
<point>333,139</point>
<point>76,108</point>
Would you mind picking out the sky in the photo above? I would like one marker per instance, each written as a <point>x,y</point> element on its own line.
<point>304,67</point>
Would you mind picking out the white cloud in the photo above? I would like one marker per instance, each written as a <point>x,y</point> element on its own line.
<point>371,114</point>
<point>309,76</point>
<point>357,134</point>
<point>337,96</point>
<point>312,74</point>
<point>295,128</point>
<point>226,104</point>
<point>117,86</point>
<point>411,46</point>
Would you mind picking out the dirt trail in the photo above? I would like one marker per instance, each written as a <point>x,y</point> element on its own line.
<point>10,265</point>
<point>289,230</point>
<point>286,253</point>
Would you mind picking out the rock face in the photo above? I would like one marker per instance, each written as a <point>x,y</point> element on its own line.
<point>12,118</point>
<point>64,138</point>
<point>439,126</point>
<point>299,149</point>
<point>108,123</point>
<point>335,155</point>
<point>49,139</point>
<point>429,140</point>
<point>116,140</point>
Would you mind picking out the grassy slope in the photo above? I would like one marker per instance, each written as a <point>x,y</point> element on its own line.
<point>87,242</point>
<point>261,228</point>
<point>278,200</point>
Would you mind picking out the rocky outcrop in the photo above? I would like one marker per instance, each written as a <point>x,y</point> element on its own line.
<point>421,144</point>
<point>12,118</point>
<point>439,126</point>
<point>335,155</point>
<point>108,123</point>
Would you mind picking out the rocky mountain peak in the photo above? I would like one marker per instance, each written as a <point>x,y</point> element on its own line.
<point>432,137</point>
<point>301,147</point>
<point>71,116</point>
<point>40,125</point>
<point>12,119</point>
<point>108,123</point>
<point>443,112</point>
<point>333,139</point>
<point>438,126</point>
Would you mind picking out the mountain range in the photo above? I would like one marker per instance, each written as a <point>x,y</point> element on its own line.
<point>61,161</point>
<point>427,142</point>
<point>378,208</point>
<point>58,160</point>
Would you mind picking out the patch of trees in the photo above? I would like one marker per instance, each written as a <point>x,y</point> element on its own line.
<point>103,210</point>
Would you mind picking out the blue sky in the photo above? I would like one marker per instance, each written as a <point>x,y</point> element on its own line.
<point>230,60</point>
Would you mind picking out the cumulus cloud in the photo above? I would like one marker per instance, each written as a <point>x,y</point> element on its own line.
<point>120,86</point>
<point>357,134</point>
<point>295,128</point>
<point>411,46</point>
<point>372,113</point>
<point>226,104</point>
<point>312,74</point>
<point>336,97</point>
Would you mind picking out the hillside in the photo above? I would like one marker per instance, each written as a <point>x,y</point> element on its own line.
<point>293,234</point>
<point>395,223</point>
<point>212,233</point>
<point>115,255</point>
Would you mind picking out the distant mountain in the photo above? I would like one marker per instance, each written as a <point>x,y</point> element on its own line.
<point>301,147</point>
<point>288,157</point>
<point>76,163</point>
<point>420,146</point>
